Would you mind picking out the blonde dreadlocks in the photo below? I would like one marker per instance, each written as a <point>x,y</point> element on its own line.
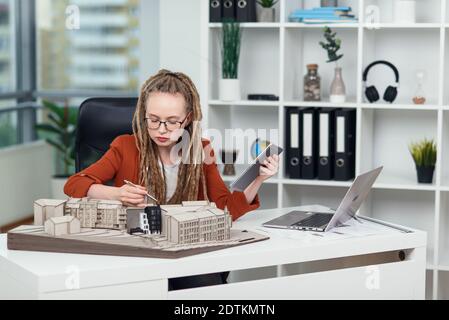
<point>190,173</point>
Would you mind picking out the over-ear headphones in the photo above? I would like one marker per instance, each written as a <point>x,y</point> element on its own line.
<point>371,92</point>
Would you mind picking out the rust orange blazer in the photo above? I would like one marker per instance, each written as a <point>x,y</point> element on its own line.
<point>121,162</point>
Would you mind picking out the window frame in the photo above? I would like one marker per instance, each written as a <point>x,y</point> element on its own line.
<point>26,93</point>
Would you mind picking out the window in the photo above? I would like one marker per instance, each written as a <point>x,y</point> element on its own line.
<point>84,44</point>
<point>7,46</point>
<point>8,119</point>
<point>73,60</point>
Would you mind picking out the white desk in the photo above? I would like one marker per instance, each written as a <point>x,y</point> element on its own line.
<point>290,265</point>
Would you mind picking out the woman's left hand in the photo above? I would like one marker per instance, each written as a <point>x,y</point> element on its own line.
<point>269,168</point>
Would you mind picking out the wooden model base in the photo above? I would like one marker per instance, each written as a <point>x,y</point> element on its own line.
<point>118,243</point>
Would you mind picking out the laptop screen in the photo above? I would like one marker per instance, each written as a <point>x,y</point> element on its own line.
<point>354,198</point>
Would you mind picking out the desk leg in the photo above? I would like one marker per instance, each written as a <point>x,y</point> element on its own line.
<point>419,276</point>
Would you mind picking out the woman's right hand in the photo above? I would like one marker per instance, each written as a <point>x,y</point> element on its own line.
<point>132,196</point>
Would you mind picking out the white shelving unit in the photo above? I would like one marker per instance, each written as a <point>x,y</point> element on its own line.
<point>273,60</point>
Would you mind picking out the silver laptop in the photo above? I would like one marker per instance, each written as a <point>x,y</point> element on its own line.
<point>322,222</point>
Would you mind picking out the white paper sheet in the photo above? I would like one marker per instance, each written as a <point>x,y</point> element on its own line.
<point>353,228</point>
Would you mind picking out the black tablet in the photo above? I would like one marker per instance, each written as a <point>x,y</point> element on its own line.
<point>251,173</point>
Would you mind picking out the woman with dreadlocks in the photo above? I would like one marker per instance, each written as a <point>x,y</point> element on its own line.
<point>168,102</point>
<point>168,108</point>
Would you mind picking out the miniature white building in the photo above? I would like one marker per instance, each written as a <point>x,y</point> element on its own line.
<point>137,221</point>
<point>188,223</point>
<point>97,214</point>
<point>61,226</point>
<point>45,209</point>
<point>195,222</point>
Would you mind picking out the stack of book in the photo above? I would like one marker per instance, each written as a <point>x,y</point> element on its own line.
<point>323,15</point>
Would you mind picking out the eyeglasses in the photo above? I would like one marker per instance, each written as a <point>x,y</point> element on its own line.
<point>154,124</point>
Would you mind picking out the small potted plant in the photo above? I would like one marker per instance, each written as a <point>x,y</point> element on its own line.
<point>424,154</point>
<point>267,12</point>
<point>230,52</point>
<point>59,132</point>
<point>332,46</point>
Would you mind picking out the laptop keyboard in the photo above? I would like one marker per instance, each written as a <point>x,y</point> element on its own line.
<point>316,220</point>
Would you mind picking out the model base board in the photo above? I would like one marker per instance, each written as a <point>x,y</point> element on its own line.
<point>119,243</point>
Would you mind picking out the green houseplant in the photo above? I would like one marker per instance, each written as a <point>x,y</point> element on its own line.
<point>424,155</point>
<point>230,53</point>
<point>267,12</point>
<point>59,132</point>
<point>332,45</point>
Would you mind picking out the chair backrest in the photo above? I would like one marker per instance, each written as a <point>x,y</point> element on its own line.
<point>100,121</point>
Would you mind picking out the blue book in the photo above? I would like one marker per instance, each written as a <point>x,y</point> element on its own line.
<point>320,17</point>
<point>323,21</point>
<point>319,13</point>
<point>332,8</point>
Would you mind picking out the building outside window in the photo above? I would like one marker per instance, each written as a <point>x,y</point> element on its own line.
<point>99,53</point>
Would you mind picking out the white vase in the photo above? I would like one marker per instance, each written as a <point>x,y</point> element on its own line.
<point>266,15</point>
<point>229,90</point>
<point>338,88</point>
<point>57,188</point>
<point>405,11</point>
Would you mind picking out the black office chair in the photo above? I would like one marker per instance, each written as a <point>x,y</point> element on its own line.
<point>100,121</point>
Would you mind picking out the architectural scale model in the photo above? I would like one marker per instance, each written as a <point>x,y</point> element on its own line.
<point>46,209</point>
<point>107,228</point>
<point>60,226</point>
<point>195,222</point>
<point>187,223</point>
<point>97,214</point>
<point>119,243</point>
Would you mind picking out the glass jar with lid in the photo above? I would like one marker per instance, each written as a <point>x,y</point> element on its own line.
<point>312,84</point>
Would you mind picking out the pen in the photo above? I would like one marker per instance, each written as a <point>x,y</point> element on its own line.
<point>149,195</point>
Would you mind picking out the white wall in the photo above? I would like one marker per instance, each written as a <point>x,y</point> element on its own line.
<point>180,40</point>
<point>170,37</point>
<point>25,173</point>
<point>149,39</point>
